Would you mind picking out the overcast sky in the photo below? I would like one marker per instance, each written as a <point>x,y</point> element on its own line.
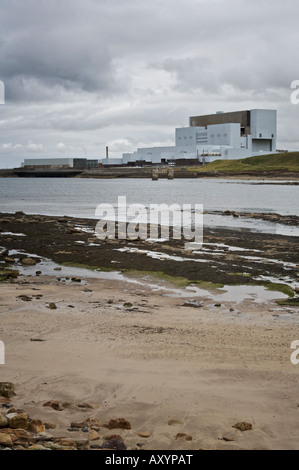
<point>83,74</point>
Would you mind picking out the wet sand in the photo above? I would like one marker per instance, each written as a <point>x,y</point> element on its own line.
<point>137,348</point>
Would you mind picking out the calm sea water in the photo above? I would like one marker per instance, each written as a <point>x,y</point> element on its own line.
<point>80,197</point>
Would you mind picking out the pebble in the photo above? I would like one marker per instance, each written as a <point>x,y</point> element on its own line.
<point>243,426</point>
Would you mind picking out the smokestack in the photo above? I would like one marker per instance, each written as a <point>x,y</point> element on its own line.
<point>106,152</point>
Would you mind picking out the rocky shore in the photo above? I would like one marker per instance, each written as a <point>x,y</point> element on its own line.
<point>132,345</point>
<point>234,257</point>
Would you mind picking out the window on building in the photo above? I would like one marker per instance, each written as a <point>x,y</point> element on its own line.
<point>261,135</point>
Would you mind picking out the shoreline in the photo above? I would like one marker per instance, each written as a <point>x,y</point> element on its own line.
<point>173,358</point>
<point>290,177</point>
<point>229,256</point>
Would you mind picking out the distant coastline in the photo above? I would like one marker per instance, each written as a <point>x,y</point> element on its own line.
<point>106,173</point>
<point>276,166</point>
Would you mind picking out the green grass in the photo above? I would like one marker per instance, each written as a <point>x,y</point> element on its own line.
<point>6,274</point>
<point>280,288</point>
<point>289,302</point>
<point>281,161</point>
<point>180,281</point>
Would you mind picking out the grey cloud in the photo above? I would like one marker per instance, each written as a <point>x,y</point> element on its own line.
<point>132,71</point>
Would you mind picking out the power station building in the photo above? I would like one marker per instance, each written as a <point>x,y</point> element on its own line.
<point>238,134</point>
<point>231,135</point>
<point>59,163</point>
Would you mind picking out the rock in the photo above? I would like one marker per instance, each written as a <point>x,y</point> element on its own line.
<point>119,423</point>
<point>3,421</point>
<point>37,447</point>
<point>88,423</point>
<point>182,435</point>
<point>52,404</point>
<point>217,305</point>
<point>243,426</point>
<point>7,389</point>
<point>43,436</point>
<point>25,298</point>
<point>95,446</point>
<point>29,261</point>
<point>145,435</point>
<point>82,444</point>
<point>4,252</point>
<point>88,406</point>
<point>52,306</point>
<point>193,303</point>
<point>114,444</point>
<point>36,426</point>
<point>50,425</point>
<point>22,434</point>
<point>17,420</point>
<point>57,269</point>
<point>128,305</point>
<point>5,440</point>
<point>93,436</point>
<point>9,260</point>
<point>65,442</point>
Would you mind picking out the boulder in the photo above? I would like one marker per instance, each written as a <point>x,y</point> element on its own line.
<point>7,389</point>
<point>93,435</point>
<point>52,404</point>
<point>119,423</point>
<point>52,306</point>
<point>182,435</point>
<point>36,426</point>
<point>5,440</point>
<point>114,444</point>
<point>17,420</point>
<point>243,426</point>
<point>29,261</point>
<point>3,421</point>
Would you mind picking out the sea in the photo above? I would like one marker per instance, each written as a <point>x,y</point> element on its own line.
<point>80,197</point>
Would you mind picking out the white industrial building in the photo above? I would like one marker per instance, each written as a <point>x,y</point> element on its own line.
<point>232,135</point>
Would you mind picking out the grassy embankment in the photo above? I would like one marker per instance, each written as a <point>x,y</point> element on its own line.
<point>280,162</point>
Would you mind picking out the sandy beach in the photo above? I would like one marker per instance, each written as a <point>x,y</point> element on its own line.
<point>182,366</point>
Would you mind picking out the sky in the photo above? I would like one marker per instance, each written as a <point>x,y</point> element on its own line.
<point>80,75</point>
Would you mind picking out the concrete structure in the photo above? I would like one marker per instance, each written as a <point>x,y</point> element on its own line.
<point>59,163</point>
<point>230,135</point>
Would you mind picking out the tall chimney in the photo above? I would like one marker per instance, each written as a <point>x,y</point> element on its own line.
<point>106,152</point>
